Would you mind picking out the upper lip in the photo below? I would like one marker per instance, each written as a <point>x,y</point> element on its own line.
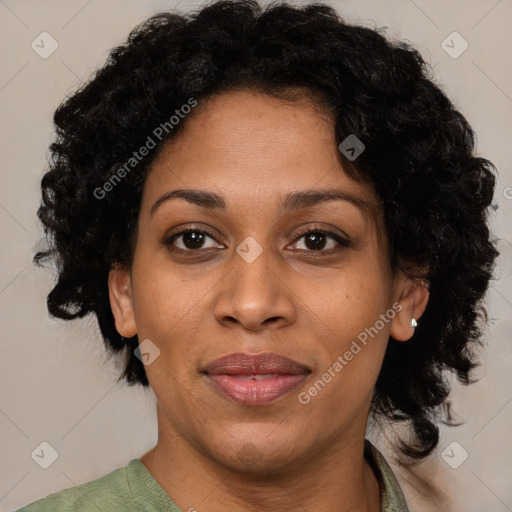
<point>255,364</point>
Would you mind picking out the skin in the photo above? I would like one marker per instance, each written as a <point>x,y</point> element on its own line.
<point>213,454</point>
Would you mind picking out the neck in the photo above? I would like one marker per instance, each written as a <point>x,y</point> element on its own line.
<point>338,478</point>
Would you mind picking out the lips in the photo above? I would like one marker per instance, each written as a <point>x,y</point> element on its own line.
<point>255,364</point>
<point>255,379</point>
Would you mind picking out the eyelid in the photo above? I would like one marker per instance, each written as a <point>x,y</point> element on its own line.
<point>325,227</point>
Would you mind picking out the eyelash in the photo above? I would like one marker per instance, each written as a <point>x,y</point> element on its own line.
<point>341,241</point>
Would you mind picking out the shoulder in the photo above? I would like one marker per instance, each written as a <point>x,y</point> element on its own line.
<point>109,492</point>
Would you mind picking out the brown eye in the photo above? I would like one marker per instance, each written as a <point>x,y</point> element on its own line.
<point>321,241</point>
<point>315,241</point>
<point>191,240</point>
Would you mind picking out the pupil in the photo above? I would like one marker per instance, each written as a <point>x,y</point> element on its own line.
<point>193,239</point>
<point>316,239</point>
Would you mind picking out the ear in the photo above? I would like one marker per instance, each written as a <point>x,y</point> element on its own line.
<point>121,301</point>
<point>412,295</point>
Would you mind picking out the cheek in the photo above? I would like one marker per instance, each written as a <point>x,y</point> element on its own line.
<point>163,295</point>
<point>353,301</point>
<point>165,315</point>
<point>357,314</point>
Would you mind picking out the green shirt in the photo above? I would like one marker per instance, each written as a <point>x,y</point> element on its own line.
<point>133,489</point>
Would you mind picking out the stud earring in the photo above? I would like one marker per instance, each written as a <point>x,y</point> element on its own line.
<point>414,323</point>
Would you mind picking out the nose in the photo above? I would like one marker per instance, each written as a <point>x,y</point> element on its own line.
<point>254,296</point>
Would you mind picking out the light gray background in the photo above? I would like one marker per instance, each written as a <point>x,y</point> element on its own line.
<point>55,383</point>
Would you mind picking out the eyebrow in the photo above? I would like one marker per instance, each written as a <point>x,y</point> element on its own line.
<point>292,201</point>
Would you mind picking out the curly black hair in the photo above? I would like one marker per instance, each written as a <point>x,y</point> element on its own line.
<point>419,154</point>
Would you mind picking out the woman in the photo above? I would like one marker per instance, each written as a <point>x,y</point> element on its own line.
<point>279,222</point>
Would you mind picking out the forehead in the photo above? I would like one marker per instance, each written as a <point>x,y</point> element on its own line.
<point>254,149</point>
<point>253,136</point>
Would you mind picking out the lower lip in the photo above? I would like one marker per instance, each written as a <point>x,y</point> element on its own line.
<point>255,392</point>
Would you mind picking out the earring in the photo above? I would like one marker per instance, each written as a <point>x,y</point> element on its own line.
<point>122,339</point>
<point>414,323</point>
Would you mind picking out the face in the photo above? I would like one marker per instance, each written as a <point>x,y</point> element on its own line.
<point>239,274</point>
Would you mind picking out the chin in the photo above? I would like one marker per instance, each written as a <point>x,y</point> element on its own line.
<point>262,458</point>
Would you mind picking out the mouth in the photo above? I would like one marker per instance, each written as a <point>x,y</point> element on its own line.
<point>255,379</point>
